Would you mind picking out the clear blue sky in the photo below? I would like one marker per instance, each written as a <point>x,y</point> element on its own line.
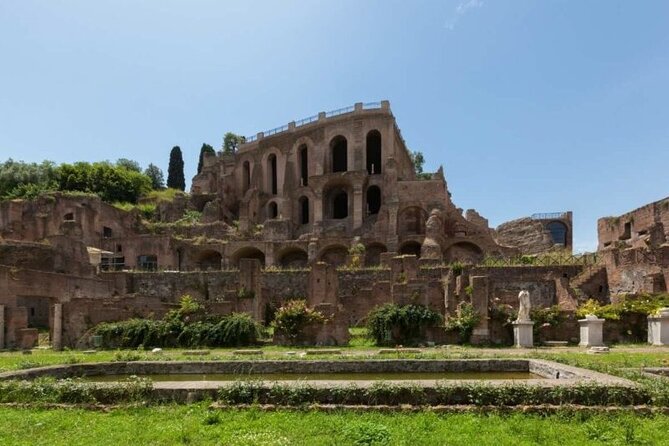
<point>531,106</point>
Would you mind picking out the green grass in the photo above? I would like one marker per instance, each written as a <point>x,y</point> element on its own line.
<point>196,424</point>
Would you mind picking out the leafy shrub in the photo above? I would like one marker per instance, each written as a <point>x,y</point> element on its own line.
<point>457,268</point>
<point>292,317</point>
<point>645,304</point>
<point>392,324</point>
<point>186,326</point>
<point>465,320</point>
<point>367,433</point>
<point>357,253</point>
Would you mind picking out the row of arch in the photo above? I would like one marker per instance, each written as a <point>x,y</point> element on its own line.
<point>337,161</point>
<point>336,204</point>
<point>337,254</point>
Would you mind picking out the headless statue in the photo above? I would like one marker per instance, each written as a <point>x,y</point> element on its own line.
<point>524,309</point>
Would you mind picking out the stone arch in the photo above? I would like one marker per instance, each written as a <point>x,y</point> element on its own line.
<point>272,210</point>
<point>337,200</point>
<point>373,253</point>
<point>272,160</point>
<point>209,260</point>
<point>338,154</point>
<point>373,200</point>
<point>373,152</point>
<point>411,221</point>
<point>334,255</point>
<point>248,252</point>
<point>303,164</point>
<point>411,248</point>
<point>464,252</point>
<point>558,231</point>
<point>293,257</point>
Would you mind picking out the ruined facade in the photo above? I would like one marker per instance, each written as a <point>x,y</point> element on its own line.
<point>276,219</point>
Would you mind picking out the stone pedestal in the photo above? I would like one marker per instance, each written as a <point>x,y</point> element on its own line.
<point>57,341</point>
<point>658,328</point>
<point>523,336</point>
<point>592,329</point>
<point>2,327</point>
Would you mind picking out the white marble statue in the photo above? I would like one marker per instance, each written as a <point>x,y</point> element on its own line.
<point>524,309</point>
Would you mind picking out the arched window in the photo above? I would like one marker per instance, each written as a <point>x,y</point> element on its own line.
<point>374,152</point>
<point>558,232</point>
<point>304,210</point>
<point>271,167</point>
<point>273,210</point>
<point>304,165</point>
<point>246,176</point>
<point>373,200</point>
<point>339,149</point>
<point>340,205</point>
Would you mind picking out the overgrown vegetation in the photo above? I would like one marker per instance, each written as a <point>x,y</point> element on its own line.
<point>293,317</point>
<point>187,326</point>
<point>111,182</point>
<point>464,321</point>
<point>643,304</point>
<point>392,324</point>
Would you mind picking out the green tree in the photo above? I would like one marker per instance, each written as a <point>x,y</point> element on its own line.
<point>128,164</point>
<point>206,148</point>
<point>108,181</point>
<point>27,180</point>
<point>231,142</point>
<point>175,170</point>
<point>156,174</point>
<point>418,161</point>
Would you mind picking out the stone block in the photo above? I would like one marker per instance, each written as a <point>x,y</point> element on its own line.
<point>523,335</point>
<point>591,329</point>
<point>658,328</point>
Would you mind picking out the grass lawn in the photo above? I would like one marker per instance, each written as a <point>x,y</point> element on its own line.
<point>195,424</point>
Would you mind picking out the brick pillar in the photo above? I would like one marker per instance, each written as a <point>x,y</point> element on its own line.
<point>2,327</point>
<point>57,342</point>
<point>358,207</point>
<point>480,303</point>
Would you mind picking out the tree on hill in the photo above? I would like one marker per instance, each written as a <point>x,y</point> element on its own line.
<point>175,171</point>
<point>231,142</point>
<point>129,164</point>
<point>206,148</point>
<point>418,161</point>
<point>156,174</point>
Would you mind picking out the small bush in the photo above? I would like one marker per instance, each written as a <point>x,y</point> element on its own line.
<point>292,318</point>
<point>465,320</point>
<point>392,324</point>
<point>645,304</point>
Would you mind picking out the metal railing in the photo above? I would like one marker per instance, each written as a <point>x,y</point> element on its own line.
<point>548,215</point>
<point>340,111</point>
<point>314,118</point>
<point>306,121</point>
<point>590,259</point>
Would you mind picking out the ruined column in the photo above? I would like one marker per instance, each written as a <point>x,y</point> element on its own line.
<point>57,341</point>
<point>2,327</point>
<point>479,296</point>
<point>359,208</point>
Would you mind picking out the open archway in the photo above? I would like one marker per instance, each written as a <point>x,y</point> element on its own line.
<point>339,154</point>
<point>304,210</point>
<point>273,176</point>
<point>249,252</point>
<point>303,163</point>
<point>272,210</point>
<point>209,260</point>
<point>464,252</point>
<point>293,258</point>
<point>334,255</point>
<point>373,253</point>
<point>410,248</point>
<point>411,221</point>
<point>373,200</point>
<point>374,152</point>
<point>558,231</point>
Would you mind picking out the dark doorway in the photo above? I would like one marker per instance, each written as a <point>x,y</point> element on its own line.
<point>340,205</point>
<point>271,161</point>
<point>273,210</point>
<point>304,165</point>
<point>246,176</point>
<point>373,200</point>
<point>304,210</point>
<point>339,148</point>
<point>374,152</point>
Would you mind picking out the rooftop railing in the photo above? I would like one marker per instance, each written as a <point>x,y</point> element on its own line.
<point>549,216</point>
<point>304,121</point>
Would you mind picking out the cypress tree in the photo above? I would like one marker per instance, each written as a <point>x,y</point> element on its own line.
<point>206,148</point>
<point>175,171</point>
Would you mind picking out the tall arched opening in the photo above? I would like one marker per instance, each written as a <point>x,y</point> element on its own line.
<point>303,162</point>
<point>339,154</point>
<point>374,152</point>
<point>273,180</point>
<point>373,200</point>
